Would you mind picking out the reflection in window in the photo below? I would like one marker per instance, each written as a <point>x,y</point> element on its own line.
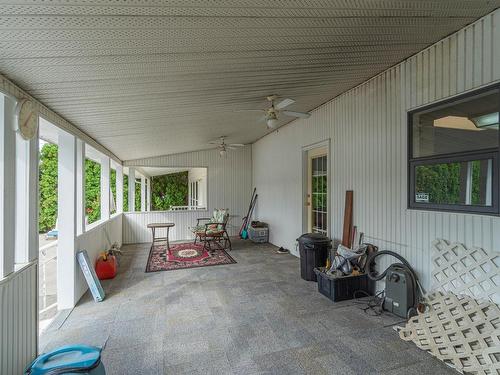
<point>469,124</point>
<point>464,183</point>
<point>454,149</point>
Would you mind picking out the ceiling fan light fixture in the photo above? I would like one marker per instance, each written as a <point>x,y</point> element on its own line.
<point>276,109</point>
<point>223,153</point>
<point>272,123</point>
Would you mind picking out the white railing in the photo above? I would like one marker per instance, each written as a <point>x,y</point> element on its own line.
<point>186,208</point>
<point>44,248</point>
<point>44,259</point>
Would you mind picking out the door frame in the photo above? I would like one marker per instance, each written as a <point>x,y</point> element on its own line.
<point>305,183</point>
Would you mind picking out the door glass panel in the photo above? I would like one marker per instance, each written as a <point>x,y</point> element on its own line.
<point>319,195</point>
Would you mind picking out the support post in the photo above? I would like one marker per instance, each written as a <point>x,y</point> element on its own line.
<point>66,247</point>
<point>33,209</point>
<point>131,189</point>
<point>26,210</point>
<point>119,188</point>
<point>80,187</point>
<point>105,187</point>
<point>7,184</point>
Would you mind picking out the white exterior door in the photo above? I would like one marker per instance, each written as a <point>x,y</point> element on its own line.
<point>317,194</point>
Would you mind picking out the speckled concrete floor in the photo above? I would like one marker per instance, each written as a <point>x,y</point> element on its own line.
<point>254,317</point>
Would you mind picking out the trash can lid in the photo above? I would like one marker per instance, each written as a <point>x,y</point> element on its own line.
<point>71,357</point>
<point>316,238</point>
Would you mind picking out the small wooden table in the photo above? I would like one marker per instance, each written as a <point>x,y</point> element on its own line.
<point>154,226</point>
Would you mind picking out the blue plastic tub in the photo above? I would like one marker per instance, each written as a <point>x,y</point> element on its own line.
<point>72,359</point>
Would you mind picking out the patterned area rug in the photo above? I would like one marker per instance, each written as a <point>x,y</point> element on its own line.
<point>185,255</point>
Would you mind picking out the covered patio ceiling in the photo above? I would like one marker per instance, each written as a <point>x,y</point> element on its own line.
<point>167,76</point>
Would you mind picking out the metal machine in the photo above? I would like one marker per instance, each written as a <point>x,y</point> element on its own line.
<point>401,282</point>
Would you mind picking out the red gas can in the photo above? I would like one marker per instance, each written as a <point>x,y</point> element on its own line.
<point>105,267</point>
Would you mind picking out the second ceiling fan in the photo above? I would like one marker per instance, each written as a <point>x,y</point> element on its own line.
<point>277,108</point>
<point>222,146</point>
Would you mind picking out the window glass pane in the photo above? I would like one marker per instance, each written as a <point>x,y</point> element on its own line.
<point>468,124</point>
<point>48,173</point>
<point>177,188</point>
<point>319,194</point>
<point>92,191</point>
<point>458,183</point>
<point>112,197</point>
<point>125,193</point>
<point>137,196</point>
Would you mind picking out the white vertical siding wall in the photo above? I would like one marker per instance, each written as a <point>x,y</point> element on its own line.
<point>368,130</point>
<point>95,241</point>
<point>229,186</point>
<point>18,319</point>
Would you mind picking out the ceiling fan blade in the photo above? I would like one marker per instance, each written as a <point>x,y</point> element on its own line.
<point>284,103</point>
<point>251,110</point>
<point>297,114</point>
<point>214,143</point>
<point>231,148</point>
<point>236,144</point>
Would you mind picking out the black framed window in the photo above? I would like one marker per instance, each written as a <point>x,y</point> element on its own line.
<point>453,151</point>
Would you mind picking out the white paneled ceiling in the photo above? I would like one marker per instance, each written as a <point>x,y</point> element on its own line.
<point>155,77</point>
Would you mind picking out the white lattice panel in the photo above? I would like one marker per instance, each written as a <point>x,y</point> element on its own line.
<point>460,331</point>
<point>461,270</point>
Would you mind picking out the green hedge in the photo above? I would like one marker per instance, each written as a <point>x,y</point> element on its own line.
<point>137,195</point>
<point>442,182</point>
<point>169,190</point>
<point>112,174</point>
<point>48,187</point>
<point>166,191</point>
<point>92,190</point>
<point>125,193</point>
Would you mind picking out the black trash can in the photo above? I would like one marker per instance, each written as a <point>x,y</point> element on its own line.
<point>314,248</point>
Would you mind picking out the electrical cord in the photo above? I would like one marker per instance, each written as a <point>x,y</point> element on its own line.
<point>373,306</point>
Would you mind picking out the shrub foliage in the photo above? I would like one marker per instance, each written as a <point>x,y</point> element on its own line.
<point>92,190</point>
<point>48,187</point>
<point>442,182</point>
<point>166,191</point>
<point>169,190</point>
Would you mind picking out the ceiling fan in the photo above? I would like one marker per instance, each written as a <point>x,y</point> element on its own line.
<point>272,113</point>
<point>222,146</point>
